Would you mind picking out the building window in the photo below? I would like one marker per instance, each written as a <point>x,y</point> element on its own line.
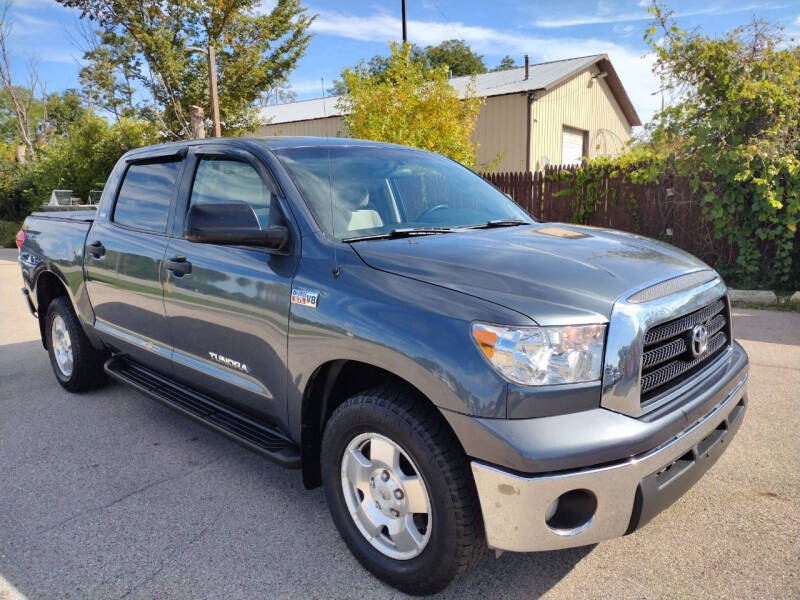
<point>574,145</point>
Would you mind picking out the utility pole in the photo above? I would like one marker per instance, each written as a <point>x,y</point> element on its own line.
<point>405,32</point>
<point>212,84</point>
<point>212,89</point>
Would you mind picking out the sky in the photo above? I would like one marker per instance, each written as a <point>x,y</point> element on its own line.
<point>348,30</point>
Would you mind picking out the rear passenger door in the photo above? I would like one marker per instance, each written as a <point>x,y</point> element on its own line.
<point>123,258</point>
<point>228,310</point>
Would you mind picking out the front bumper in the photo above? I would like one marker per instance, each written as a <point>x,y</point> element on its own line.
<point>606,501</point>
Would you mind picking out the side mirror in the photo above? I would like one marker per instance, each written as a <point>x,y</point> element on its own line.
<point>232,223</point>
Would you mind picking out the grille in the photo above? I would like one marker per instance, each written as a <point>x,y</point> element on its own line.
<point>668,358</point>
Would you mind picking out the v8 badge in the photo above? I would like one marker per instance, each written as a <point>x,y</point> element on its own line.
<point>304,297</point>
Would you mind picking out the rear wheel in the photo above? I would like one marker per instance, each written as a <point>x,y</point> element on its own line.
<point>400,492</point>
<point>78,366</point>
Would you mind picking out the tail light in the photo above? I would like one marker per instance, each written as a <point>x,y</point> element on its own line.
<point>20,239</point>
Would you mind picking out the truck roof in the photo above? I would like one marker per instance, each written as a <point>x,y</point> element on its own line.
<point>272,141</point>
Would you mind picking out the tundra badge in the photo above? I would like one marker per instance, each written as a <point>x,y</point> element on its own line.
<point>235,364</point>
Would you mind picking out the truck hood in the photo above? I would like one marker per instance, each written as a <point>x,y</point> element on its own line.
<point>552,273</point>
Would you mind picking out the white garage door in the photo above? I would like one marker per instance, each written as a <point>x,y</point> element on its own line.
<point>571,147</point>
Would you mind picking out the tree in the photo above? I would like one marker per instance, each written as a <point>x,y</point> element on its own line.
<point>18,101</point>
<point>735,132</point>
<point>81,158</point>
<point>377,66</point>
<point>280,93</point>
<point>454,55</point>
<point>108,79</point>
<point>505,64</point>
<point>61,110</point>
<point>144,43</point>
<point>412,104</point>
<point>11,125</point>
<point>457,56</point>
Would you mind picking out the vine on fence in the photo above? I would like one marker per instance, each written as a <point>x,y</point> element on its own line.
<point>741,212</point>
<point>588,185</point>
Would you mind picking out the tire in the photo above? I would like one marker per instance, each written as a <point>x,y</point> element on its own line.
<point>77,364</point>
<point>451,535</point>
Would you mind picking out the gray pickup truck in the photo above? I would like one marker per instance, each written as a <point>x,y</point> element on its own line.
<point>455,374</point>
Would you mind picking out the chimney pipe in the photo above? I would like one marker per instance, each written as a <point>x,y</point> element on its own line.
<point>527,66</point>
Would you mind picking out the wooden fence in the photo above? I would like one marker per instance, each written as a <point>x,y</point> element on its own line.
<point>667,211</point>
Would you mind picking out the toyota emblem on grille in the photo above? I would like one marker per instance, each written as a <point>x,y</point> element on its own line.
<point>699,339</point>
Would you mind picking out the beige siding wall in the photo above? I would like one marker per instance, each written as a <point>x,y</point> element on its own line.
<point>497,131</point>
<point>581,103</point>
<point>500,132</point>
<point>329,126</point>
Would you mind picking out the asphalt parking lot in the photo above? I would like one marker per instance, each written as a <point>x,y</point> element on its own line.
<point>109,495</point>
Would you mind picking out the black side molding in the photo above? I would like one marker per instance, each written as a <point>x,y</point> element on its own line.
<point>231,423</point>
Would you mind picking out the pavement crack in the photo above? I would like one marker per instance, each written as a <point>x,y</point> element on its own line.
<point>124,497</point>
<point>177,553</point>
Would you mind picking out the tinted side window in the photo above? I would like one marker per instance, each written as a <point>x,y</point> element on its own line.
<point>145,195</point>
<point>223,180</point>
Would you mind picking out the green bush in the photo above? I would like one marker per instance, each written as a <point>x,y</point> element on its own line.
<point>734,134</point>
<point>15,190</point>
<point>82,160</point>
<point>79,161</point>
<point>8,233</point>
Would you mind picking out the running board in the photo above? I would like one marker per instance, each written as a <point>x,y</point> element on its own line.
<point>228,421</point>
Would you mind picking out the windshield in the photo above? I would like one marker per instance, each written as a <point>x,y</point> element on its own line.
<point>365,191</point>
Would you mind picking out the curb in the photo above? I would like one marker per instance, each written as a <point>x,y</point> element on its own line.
<point>765,298</point>
<point>754,296</point>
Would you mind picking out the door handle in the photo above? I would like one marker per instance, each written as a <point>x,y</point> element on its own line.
<point>96,249</point>
<point>179,265</point>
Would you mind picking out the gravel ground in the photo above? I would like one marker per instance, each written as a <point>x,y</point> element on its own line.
<point>109,495</point>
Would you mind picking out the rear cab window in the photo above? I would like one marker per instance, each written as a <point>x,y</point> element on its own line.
<point>145,195</point>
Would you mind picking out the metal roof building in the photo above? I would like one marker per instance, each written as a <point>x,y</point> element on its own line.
<point>547,113</point>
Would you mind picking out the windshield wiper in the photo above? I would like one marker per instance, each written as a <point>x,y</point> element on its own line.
<point>500,223</point>
<point>400,233</point>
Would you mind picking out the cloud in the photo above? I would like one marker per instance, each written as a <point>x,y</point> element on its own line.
<point>59,56</point>
<point>311,87</point>
<point>38,39</point>
<point>797,20</point>
<point>634,69</point>
<point>605,14</point>
<point>26,26</point>
<point>624,29</point>
<point>595,19</point>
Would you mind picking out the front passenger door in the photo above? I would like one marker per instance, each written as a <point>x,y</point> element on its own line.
<point>227,307</point>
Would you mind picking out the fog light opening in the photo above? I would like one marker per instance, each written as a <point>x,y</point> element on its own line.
<point>572,512</point>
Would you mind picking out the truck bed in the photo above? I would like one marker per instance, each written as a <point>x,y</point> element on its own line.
<point>86,216</point>
<point>55,242</point>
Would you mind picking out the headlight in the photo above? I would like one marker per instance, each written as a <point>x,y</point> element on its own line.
<point>543,355</point>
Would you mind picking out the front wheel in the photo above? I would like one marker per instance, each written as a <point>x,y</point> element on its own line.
<point>400,492</point>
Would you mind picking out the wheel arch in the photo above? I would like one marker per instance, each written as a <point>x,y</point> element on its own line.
<point>329,386</point>
<point>48,286</point>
